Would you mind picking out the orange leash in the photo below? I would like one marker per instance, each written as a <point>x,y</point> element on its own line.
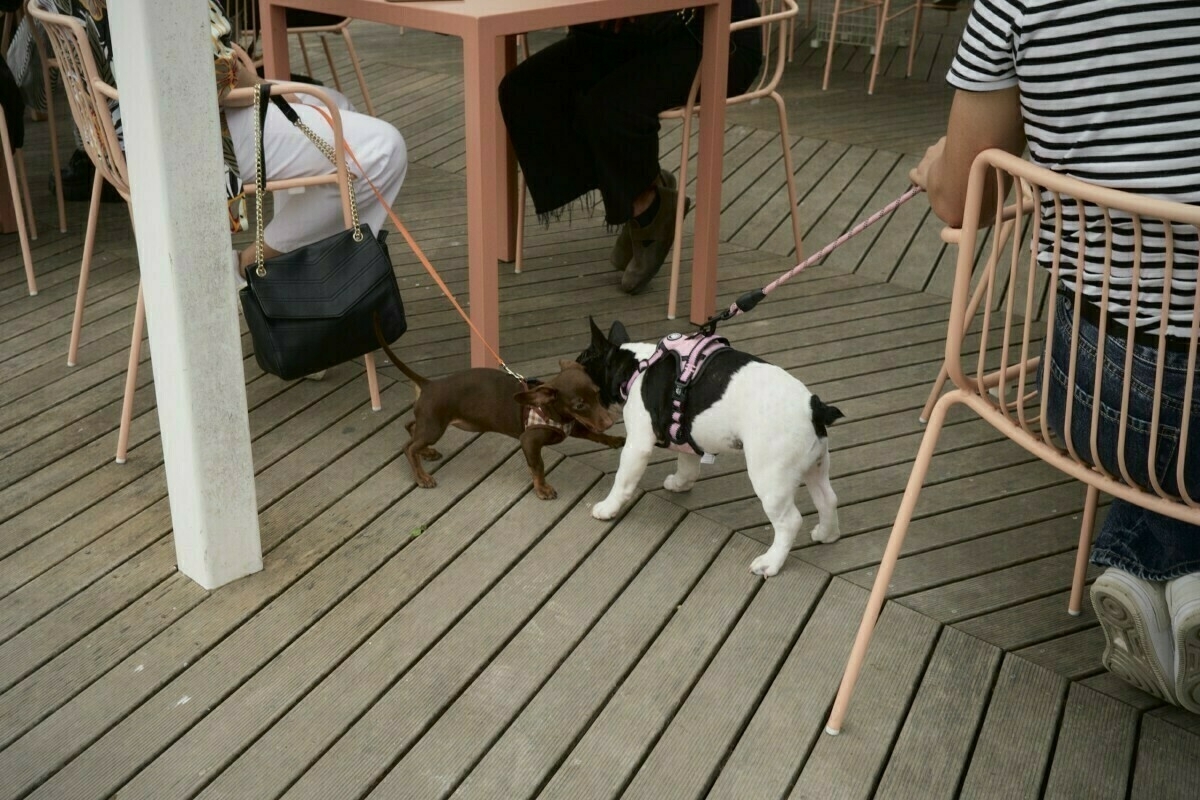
<point>433,273</point>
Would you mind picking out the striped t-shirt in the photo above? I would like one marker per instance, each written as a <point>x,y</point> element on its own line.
<point>1110,94</point>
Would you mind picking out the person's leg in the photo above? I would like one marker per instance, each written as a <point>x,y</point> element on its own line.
<point>620,119</point>
<point>316,213</point>
<point>1148,599</point>
<point>538,99</point>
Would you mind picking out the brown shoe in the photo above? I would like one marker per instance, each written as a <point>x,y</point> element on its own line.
<point>652,243</point>
<point>622,252</point>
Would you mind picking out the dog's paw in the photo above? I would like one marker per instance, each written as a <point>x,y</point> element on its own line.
<point>674,483</point>
<point>426,481</point>
<point>767,564</point>
<point>545,491</point>
<point>429,454</point>
<point>605,510</point>
<point>825,534</point>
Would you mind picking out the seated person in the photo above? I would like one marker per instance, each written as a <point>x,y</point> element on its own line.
<point>1123,112</point>
<point>316,213</point>
<point>583,115</point>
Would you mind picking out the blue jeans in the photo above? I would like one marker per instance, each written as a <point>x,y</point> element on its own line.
<point>1148,545</point>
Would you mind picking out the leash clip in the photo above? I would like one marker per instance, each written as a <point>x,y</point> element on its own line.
<point>512,372</point>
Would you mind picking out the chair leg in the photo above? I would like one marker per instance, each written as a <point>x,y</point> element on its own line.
<point>372,381</point>
<point>793,201</point>
<point>354,62</point>
<point>304,53</point>
<point>887,566</point>
<point>881,18</point>
<point>680,207</point>
<point>24,178</point>
<point>89,245</point>
<point>918,7</point>
<point>833,21</point>
<point>10,164</point>
<point>1086,528</point>
<point>519,259</point>
<point>135,355</point>
<point>337,81</point>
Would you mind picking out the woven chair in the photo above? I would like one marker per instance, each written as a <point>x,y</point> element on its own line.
<point>995,350</point>
<point>89,97</point>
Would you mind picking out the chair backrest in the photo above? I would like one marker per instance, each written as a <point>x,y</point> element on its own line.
<point>91,98</point>
<point>775,23</point>
<point>1127,248</point>
<point>341,173</point>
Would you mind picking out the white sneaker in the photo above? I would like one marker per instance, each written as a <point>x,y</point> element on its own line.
<point>315,376</point>
<point>1183,602</point>
<point>1137,631</point>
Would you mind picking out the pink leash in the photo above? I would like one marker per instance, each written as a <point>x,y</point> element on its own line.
<point>751,299</point>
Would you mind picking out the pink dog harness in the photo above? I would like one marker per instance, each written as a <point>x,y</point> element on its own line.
<point>691,355</point>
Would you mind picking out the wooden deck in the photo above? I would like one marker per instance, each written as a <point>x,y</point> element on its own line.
<point>474,641</point>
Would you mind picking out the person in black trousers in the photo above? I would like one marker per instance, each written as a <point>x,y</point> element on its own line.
<point>583,116</point>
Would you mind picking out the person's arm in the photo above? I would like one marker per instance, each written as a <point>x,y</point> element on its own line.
<point>978,121</point>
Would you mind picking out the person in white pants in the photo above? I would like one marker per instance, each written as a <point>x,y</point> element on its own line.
<point>299,218</point>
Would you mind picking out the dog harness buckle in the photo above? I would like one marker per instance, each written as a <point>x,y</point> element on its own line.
<point>691,354</point>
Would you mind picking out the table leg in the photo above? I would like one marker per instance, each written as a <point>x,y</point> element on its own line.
<point>509,204</point>
<point>273,30</point>
<point>714,72</point>
<point>483,64</point>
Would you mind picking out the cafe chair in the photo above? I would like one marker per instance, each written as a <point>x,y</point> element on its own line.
<point>339,27</point>
<point>885,11</point>
<point>11,22</point>
<point>89,97</point>
<point>995,348</point>
<point>774,22</point>
<point>243,14</point>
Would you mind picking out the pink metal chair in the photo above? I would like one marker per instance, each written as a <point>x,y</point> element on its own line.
<point>775,23</point>
<point>885,11</point>
<point>244,15</point>
<point>89,97</point>
<point>994,348</point>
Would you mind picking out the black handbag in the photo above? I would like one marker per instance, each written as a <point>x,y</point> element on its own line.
<point>315,307</point>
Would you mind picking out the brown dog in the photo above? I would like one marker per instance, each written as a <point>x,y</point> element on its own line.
<point>488,400</point>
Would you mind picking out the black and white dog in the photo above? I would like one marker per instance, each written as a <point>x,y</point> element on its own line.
<point>737,402</point>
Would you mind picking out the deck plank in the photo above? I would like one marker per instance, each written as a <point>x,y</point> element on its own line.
<point>939,734</point>
<point>1016,742</point>
<point>514,647</point>
<point>850,764</point>
<point>397,746</point>
<point>1093,724</point>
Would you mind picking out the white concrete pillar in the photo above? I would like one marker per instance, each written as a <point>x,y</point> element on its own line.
<point>163,64</point>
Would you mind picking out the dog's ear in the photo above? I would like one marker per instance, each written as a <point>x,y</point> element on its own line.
<point>599,343</point>
<point>617,334</point>
<point>566,363</point>
<point>541,395</point>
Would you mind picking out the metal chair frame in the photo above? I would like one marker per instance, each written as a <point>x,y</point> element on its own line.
<point>996,337</point>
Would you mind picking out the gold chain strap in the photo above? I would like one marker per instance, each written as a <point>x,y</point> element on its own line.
<point>260,181</point>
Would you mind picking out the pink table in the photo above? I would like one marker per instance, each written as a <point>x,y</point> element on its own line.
<point>487,29</point>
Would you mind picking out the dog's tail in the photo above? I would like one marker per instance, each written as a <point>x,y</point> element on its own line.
<point>417,380</point>
<point>823,416</point>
